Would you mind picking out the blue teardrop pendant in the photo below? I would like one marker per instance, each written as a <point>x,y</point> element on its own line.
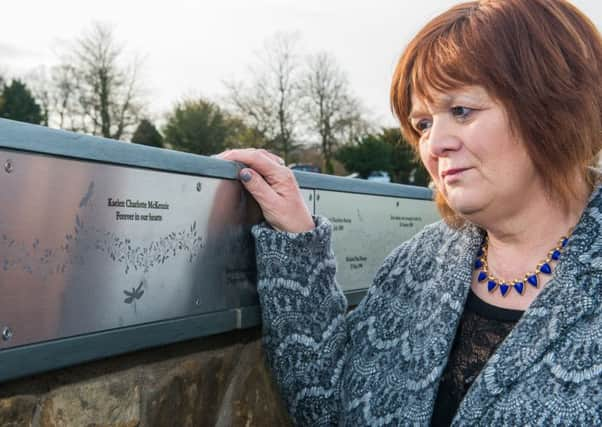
<point>504,289</point>
<point>532,280</point>
<point>519,287</point>
<point>545,268</point>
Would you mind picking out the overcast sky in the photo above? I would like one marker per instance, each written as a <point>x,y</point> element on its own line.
<point>191,47</point>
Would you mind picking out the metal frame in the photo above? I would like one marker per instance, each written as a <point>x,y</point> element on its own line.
<point>43,356</point>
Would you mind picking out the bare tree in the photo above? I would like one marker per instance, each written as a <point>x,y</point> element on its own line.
<point>37,81</point>
<point>333,114</point>
<point>95,91</point>
<point>270,103</point>
<point>56,91</point>
<point>65,81</point>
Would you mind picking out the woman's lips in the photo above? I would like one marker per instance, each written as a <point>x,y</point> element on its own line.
<point>452,172</point>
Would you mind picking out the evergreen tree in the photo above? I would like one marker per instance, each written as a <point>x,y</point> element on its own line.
<point>147,134</point>
<point>388,152</point>
<point>203,127</point>
<point>406,167</point>
<point>372,153</point>
<point>196,126</point>
<point>19,104</point>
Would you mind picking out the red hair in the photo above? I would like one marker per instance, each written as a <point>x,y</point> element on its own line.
<point>541,59</point>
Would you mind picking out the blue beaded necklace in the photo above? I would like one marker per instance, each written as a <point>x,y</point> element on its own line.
<point>532,278</point>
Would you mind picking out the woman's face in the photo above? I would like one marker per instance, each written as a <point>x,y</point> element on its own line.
<point>466,144</point>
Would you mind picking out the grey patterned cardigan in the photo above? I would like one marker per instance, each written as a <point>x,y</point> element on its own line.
<point>381,363</point>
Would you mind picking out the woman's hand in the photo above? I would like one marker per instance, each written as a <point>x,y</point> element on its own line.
<point>274,187</point>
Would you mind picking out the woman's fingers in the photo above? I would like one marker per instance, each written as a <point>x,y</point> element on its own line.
<point>274,187</point>
<point>259,189</point>
<point>262,151</point>
<point>279,160</point>
<point>264,162</point>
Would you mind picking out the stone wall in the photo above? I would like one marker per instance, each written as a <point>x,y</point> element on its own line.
<point>214,381</point>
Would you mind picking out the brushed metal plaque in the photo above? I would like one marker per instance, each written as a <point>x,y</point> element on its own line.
<point>367,228</point>
<point>86,246</point>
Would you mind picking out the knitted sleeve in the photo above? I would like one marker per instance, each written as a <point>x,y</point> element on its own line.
<point>303,316</point>
<point>306,332</point>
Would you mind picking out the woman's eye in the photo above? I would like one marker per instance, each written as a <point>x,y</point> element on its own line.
<point>461,112</point>
<point>422,125</point>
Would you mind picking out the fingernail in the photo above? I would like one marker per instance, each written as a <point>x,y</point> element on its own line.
<point>245,176</point>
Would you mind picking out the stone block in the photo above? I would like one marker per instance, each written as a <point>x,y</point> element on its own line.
<point>105,402</point>
<point>252,398</point>
<point>17,411</point>
<point>188,393</point>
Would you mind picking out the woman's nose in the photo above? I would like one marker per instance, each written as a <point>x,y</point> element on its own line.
<point>442,139</point>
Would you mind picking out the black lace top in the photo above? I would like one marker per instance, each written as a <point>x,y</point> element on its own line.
<point>481,330</point>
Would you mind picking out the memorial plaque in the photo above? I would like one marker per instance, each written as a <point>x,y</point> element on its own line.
<point>367,228</point>
<point>87,247</point>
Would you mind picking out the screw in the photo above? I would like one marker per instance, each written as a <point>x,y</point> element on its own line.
<point>199,186</point>
<point>197,302</point>
<point>7,333</point>
<point>8,166</point>
<point>310,197</point>
<point>318,197</point>
<point>397,204</point>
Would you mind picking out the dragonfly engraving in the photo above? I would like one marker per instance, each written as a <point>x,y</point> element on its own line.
<point>134,294</point>
<point>84,201</point>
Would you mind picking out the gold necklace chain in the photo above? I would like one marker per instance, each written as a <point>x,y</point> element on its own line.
<point>519,285</point>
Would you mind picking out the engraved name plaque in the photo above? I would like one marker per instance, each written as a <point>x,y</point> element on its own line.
<point>87,247</point>
<point>367,228</point>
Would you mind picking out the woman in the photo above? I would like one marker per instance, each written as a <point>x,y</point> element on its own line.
<point>492,316</point>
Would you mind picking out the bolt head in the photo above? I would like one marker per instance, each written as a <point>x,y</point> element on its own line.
<point>199,186</point>
<point>8,166</point>
<point>7,333</point>
<point>197,302</point>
